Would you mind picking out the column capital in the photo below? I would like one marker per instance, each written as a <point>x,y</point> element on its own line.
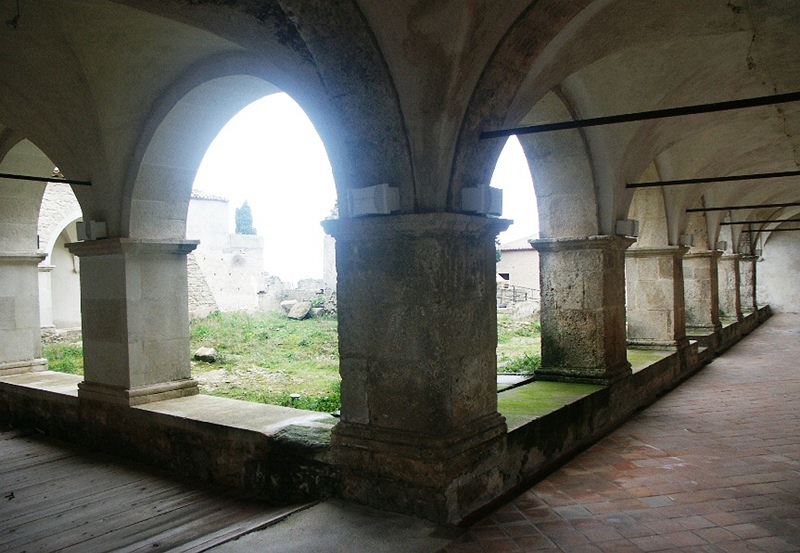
<point>716,254</point>
<point>731,256</point>
<point>135,246</point>
<point>666,251</point>
<point>384,227</point>
<point>597,242</point>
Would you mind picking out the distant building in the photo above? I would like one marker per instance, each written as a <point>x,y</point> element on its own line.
<point>519,263</point>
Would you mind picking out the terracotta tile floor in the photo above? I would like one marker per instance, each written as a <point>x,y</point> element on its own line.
<point>714,466</point>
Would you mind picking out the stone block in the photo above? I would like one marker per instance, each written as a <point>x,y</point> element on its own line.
<point>7,313</point>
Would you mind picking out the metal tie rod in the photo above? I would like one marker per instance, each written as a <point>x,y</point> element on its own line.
<point>647,115</point>
<point>45,179</point>
<point>705,180</point>
<point>732,207</point>
<point>761,221</point>
<point>772,230</point>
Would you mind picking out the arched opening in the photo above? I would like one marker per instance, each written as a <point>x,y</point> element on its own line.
<point>24,244</point>
<point>518,297</point>
<point>261,190</point>
<point>59,272</point>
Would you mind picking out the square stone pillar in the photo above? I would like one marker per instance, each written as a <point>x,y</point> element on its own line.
<point>20,333</point>
<point>701,290</point>
<point>655,308</point>
<point>417,347</point>
<point>135,320</point>
<point>729,285</point>
<point>583,309</point>
<point>747,283</point>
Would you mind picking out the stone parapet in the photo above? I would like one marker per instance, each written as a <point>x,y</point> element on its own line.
<point>656,317</point>
<point>583,309</point>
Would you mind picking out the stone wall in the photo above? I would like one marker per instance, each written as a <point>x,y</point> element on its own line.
<point>776,274</point>
<point>234,272</point>
<point>201,300</point>
<point>59,207</point>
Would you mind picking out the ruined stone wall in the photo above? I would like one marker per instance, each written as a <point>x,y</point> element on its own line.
<point>225,271</point>
<point>201,300</point>
<point>233,273</point>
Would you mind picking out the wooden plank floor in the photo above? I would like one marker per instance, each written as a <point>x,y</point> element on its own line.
<point>57,497</point>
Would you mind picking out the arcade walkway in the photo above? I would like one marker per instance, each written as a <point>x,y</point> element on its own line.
<point>714,466</point>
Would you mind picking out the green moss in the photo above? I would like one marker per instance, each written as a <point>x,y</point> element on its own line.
<point>524,403</point>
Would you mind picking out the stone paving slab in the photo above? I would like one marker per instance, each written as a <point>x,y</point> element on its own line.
<point>714,466</point>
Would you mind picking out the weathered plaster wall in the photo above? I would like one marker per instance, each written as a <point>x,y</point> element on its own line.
<point>777,274</point>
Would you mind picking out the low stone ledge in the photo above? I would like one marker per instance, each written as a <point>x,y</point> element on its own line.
<point>277,452</point>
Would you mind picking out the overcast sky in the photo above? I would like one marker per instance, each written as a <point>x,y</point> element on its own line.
<point>270,155</point>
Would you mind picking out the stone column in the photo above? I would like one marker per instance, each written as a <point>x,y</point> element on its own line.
<point>655,309</point>
<point>135,320</point>
<point>701,289</point>
<point>729,285</point>
<point>747,283</point>
<point>20,333</point>
<point>583,309</point>
<point>417,348</point>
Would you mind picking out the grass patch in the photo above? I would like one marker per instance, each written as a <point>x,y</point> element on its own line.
<point>522,365</point>
<point>518,346</point>
<point>64,358</point>
<point>267,357</point>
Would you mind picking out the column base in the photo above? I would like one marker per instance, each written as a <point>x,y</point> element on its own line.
<point>667,345</point>
<point>140,395</point>
<point>441,478</point>
<point>19,367</point>
<point>583,375</point>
